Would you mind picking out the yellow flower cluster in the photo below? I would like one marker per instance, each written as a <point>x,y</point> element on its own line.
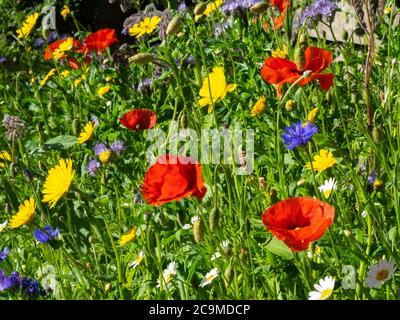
<point>27,26</point>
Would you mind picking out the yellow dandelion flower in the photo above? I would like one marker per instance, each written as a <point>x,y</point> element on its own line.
<point>25,214</point>
<point>258,107</point>
<point>212,7</point>
<point>311,116</point>
<point>47,77</point>
<point>214,88</point>
<point>4,156</point>
<point>64,74</point>
<point>105,156</point>
<point>64,47</point>
<point>103,90</point>
<point>322,161</point>
<point>27,26</point>
<point>65,12</point>
<point>280,53</point>
<point>87,133</point>
<point>128,237</point>
<point>58,181</point>
<point>388,10</point>
<point>147,25</point>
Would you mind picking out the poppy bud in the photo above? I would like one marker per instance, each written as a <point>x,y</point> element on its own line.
<point>198,230</point>
<point>50,104</point>
<point>377,135</point>
<point>259,7</point>
<point>345,35</point>
<point>290,105</point>
<point>228,250</point>
<point>184,120</point>
<point>174,25</point>
<point>301,47</point>
<point>88,266</point>
<point>243,254</point>
<point>228,276</point>
<point>142,58</point>
<point>107,287</point>
<point>75,126</point>
<point>347,233</point>
<point>329,97</point>
<point>214,219</point>
<point>200,8</point>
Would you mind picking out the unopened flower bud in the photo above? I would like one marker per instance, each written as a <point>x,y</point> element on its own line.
<point>174,26</point>
<point>142,58</point>
<point>290,105</point>
<point>228,276</point>
<point>377,135</point>
<point>259,7</point>
<point>307,74</point>
<point>200,8</point>
<point>214,219</point>
<point>198,230</point>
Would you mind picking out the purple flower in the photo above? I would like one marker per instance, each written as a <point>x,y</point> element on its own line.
<point>3,254</point>
<point>182,6</point>
<point>372,177</point>
<point>4,283</point>
<point>100,148</point>
<point>145,84</point>
<point>92,167</point>
<point>296,135</point>
<point>230,6</point>
<point>220,27</point>
<point>46,234</point>
<point>3,60</point>
<point>52,37</point>
<point>38,42</point>
<point>117,147</point>
<point>95,120</point>
<point>14,280</point>
<point>125,32</point>
<point>315,12</point>
<point>30,286</point>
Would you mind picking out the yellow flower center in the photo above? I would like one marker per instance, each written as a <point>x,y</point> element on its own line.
<point>326,294</point>
<point>105,156</point>
<point>327,193</point>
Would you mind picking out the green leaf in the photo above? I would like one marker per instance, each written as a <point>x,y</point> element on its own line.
<point>61,142</point>
<point>280,248</point>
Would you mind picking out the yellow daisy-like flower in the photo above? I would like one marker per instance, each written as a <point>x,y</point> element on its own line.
<point>103,90</point>
<point>258,107</point>
<point>47,77</point>
<point>65,11</point>
<point>214,88</point>
<point>280,53</point>
<point>311,116</point>
<point>128,237</point>
<point>322,161</point>
<point>147,25</point>
<point>388,10</point>
<point>105,156</point>
<point>25,214</point>
<point>64,47</point>
<point>4,156</point>
<point>87,133</point>
<point>212,7</point>
<point>27,26</point>
<point>58,181</point>
<point>64,74</point>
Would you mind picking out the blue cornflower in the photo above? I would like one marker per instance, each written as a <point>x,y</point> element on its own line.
<point>297,134</point>
<point>30,286</point>
<point>14,280</point>
<point>117,147</point>
<point>46,234</point>
<point>99,148</point>
<point>3,254</point>
<point>92,167</point>
<point>38,42</point>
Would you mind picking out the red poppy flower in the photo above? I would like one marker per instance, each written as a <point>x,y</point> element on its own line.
<point>139,119</point>
<point>280,71</point>
<point>282,6</point>
<point>101,40</point>
<point>298,221</point>
<point>173,178</point>
<point>48,52</point>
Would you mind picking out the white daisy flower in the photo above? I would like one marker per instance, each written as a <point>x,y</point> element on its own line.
<point>209,277</point>
<point>327,188</point>
<point>3,225</point>
<point>323,289</point>
<point>379,273</point>
<point>168,274</point>
<point>194,219</point>
<point>186,226</point>
<point>216,255</point>
<point>137,260</point>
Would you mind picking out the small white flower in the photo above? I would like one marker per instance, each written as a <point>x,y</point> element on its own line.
<point>137,260</point>
<point>194,219</point>
<point>323,289</point>
<point>327,188</point>
<point>3,225</point>
<point>364,214</point>
<point>186,226</point>
<point>168,274</point>
<point>216,255</point>
<point>379,273</point>
<point>209,277</point>
<point>225,244</point>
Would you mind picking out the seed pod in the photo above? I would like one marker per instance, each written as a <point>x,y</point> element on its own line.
<point>200,8</point>
<point>142,58</point>
<point>301,47</point>
<point>345,35</point>
<point>259,7</point>
<point>174,26</point>
<point>198,230</point>
<point>228,276</point>
<point>75,126</point>
<point>184,120</point>
<point>243,254</point>
<point>214,219</point>
<point>290,105</point>
<point>377,135</point>
<point>329,98</point>
<point>228,250</point>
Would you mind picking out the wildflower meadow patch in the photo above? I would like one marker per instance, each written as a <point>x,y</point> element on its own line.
<point>199,150</point>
